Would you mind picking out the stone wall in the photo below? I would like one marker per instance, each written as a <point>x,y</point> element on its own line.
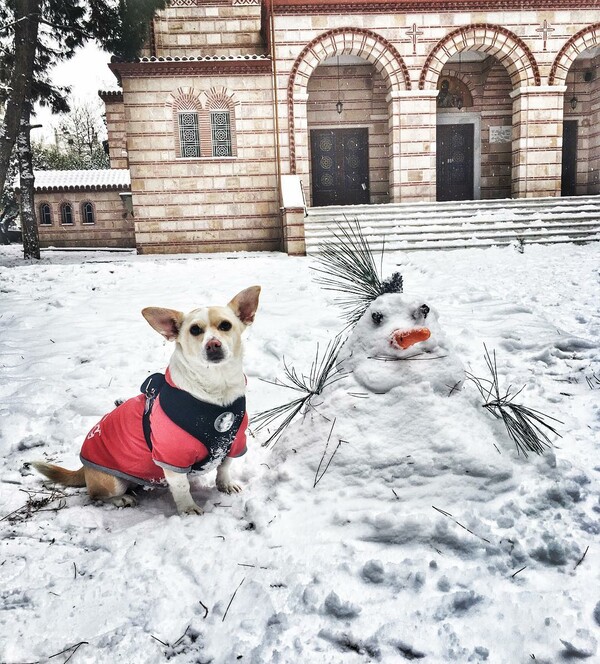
<point>206,203</point>
<point>208,28</point>
<point>117,130</point>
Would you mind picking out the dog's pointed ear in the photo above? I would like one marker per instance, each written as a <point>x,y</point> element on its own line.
<point>166,321</point>
<point>245,304</point>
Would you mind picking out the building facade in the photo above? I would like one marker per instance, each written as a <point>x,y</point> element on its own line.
<point>91,209</point>
<point>360,102</point>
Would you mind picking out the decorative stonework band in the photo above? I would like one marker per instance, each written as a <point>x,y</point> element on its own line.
<point>509,49</point>
<point>589,37</point>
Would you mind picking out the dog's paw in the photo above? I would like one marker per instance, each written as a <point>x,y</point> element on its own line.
<point>190,509</point>
<point>124,501</point>
<point>229,487</point>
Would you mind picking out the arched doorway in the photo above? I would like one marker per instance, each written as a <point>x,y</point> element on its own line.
<point>474,128</point>
<point>580,174</point>
<point>385,64</point>
<point>347,117</point>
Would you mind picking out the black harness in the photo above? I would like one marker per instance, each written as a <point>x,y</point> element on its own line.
<point>214,426</point>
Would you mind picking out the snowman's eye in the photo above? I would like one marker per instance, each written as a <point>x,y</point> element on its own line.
<point>422,311</point>
<point>377,317</point>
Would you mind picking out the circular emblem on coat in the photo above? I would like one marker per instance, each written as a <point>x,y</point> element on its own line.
<point>224,422</point>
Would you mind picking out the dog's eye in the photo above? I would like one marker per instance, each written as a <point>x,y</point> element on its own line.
<point>196,330</point>
<point>377,317</point>
<point>225,325</point>
<point>422,311</point>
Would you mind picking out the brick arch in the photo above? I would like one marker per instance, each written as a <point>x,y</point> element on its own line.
<point>586,38</point>
<point>495,40</point>
<point>184,99</point>
<point>218,98</point>
<point>361,42</point>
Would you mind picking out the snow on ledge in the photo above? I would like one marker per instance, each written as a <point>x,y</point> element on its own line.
<point>107,178</point>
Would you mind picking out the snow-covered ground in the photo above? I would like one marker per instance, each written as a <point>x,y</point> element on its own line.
<point>427,538</point>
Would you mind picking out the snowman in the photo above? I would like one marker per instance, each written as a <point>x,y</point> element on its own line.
<point>398,342</point>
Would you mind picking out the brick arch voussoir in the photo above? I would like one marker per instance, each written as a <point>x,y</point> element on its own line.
<point>494,39</point>
<point>579,42</point>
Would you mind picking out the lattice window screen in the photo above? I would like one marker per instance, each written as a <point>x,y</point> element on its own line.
<point>189,137</point>
<point>220,124</point>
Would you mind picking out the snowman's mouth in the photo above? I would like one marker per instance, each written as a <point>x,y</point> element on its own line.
<point>403,339</point>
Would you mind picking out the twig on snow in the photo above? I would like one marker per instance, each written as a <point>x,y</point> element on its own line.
<point>512,576</point>
<point>582,557</point>
<point>232,598</point>
<point>448,515</point>
<point>74,648</point>
<point>205,609</point>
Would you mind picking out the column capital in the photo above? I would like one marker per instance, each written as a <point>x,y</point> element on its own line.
<point>557,90</point>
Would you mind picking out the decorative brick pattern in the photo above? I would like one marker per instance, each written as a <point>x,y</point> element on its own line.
<point>587,38</point>
<point>510,50</point>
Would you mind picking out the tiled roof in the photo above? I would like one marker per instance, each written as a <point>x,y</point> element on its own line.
<point>107,178</point>
<point>205,58</point>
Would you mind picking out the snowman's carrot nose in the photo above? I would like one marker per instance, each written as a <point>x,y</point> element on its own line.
<point>406,338</point>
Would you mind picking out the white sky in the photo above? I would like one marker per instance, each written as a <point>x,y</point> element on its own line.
<point>86,73</point>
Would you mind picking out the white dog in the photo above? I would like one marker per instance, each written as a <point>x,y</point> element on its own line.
<point>192,418</point>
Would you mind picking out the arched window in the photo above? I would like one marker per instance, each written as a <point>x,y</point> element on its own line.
<point>66,214</point>
<point>45,215</point>
<point>87,213</point>
<point>220,127</point>
<point>220,106</point>
<point>189,136</point>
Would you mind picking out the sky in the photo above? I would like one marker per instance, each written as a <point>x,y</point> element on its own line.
<point>86,73</point>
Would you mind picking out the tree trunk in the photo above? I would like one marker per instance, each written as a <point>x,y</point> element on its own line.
<point>31,240</point>
<point>27,16</point>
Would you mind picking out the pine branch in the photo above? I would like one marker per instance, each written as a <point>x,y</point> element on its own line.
<point>324,371</point>
<point>528,428</point>
<point>348,266</point>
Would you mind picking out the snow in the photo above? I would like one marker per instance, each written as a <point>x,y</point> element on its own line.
<point>426,538</point>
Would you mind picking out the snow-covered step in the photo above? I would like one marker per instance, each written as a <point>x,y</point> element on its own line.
<point>453,225</point>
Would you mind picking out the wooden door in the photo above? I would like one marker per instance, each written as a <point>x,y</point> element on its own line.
<point>340,166</point>
<point>455,163</point>
<point>568,182</point>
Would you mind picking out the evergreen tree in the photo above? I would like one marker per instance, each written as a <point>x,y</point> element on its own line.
<point>35,34</point>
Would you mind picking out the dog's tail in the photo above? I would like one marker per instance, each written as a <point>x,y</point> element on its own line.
<point>61,475</point>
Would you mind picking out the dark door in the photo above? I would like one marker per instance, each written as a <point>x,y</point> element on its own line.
<point>568,186</point>
<point>455,162</point>
<point>340,166</point>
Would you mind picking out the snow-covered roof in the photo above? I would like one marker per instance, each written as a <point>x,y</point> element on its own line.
<point>106,178</point>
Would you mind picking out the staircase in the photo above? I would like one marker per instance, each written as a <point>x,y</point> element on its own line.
<point>453,225</point>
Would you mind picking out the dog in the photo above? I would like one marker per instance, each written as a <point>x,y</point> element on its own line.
<point>191,418</point>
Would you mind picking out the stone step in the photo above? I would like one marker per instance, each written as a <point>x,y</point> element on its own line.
<point>447,226</point>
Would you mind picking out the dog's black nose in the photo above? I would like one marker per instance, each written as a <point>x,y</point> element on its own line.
<point>214,350</point>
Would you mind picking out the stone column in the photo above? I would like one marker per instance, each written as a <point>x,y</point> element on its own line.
<point>537,140</point>
<point>412,145</point>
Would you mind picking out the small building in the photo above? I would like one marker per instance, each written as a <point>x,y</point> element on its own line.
<point>84,208</point>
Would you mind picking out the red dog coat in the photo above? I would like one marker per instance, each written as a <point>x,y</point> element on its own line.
<point>201,433</point>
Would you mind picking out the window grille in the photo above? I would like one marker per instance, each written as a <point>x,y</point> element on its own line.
<point>87,210</point>
<point>66,213</point>
<point>220,124</point>
<point>189,137</point>
<point>45,215</point>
